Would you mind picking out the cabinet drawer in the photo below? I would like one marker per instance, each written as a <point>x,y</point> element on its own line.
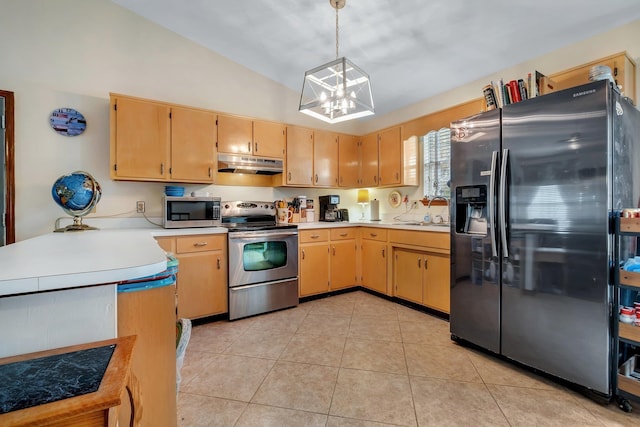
<point>343,233</point>
<point>200,243</point>
<point>308,236</point>
<point>374,234</point>
<point>421,238</point>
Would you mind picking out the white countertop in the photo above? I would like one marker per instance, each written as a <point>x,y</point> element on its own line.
<point>399,225</point>
<point>74,259</point>
<point>110,255</point>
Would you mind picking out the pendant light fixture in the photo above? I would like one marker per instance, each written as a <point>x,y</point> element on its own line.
<point>338,90</point>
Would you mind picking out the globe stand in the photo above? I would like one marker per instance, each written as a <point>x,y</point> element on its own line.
<point>76,226</point>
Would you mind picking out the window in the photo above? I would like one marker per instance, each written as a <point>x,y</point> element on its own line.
<point>437,167</point>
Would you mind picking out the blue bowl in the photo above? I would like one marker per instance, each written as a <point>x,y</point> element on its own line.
<point>172,190</point>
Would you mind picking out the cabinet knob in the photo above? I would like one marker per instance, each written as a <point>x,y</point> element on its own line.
<point>289,176</point>
<point>375,179</point>
<point>373,234</point>
<point>210,170</point>
<point>343,234</point>
<point>200,244</point>
<point>256,147</point>
<point>383,253</point>
<point>161,168</point>
<point>303,254</point>
<point>419,262</point>
<point>316,178</point>
<point>397,175</point>
<point>334,251</point>
<point>249,147</point>
<point>315,236</point>
<point>425,264</point>
<point>218,263</point>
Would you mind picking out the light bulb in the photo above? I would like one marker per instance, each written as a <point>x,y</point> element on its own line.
<point>323,96</point>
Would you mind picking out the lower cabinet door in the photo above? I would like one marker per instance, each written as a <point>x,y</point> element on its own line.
<point>374,265</point>
<point>436,282</point>
<point>314,269</point>
<point>407,275</point>
<point>202,284</point>
<point>343,264</point>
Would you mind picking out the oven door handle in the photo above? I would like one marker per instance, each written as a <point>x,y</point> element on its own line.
<point>254,235</point>
<point>255,285</point>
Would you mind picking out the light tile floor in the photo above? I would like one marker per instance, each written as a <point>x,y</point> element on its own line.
<point>359,360</point>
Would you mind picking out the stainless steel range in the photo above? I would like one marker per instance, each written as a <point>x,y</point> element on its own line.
<point>263,259</point>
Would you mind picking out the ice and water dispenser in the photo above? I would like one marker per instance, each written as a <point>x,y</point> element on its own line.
<point>471,209</point>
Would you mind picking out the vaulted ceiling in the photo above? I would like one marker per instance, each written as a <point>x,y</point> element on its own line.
<point>412,49</point>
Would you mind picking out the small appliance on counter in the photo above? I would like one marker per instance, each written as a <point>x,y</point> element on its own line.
<point>329,211</point>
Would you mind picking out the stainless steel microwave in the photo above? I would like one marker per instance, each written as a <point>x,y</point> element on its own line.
<point>186,212</point>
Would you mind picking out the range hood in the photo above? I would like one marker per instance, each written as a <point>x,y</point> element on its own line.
<point>248,164</point>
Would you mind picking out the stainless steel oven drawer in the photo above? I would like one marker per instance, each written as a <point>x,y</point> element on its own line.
<point>259,298</point>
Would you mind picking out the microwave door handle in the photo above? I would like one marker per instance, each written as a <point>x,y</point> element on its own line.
<point>503,202</point>
<point>492,207</point>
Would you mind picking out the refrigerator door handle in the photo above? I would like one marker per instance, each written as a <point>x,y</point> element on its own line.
<point>503,203</point>
<point>492,194</point>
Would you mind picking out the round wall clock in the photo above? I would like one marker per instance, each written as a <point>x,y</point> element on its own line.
<point>67,121</point>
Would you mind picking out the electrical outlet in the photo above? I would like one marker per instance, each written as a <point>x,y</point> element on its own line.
<point>140,206</point>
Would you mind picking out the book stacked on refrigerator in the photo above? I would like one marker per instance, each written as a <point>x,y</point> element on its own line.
<point>498,94</point>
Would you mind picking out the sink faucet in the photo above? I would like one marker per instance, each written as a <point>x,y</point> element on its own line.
<point>448,205</point>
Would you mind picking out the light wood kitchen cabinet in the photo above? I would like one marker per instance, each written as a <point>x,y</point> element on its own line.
<point>389,157</point>
<point>328,260</point>
<point>422,278</point>
<point>150,315</point>
<point>374,259</point>
<point>386,160</point>
<point>192,145</point>
<point>239,135</point>
<point>140,139</point>
<point>348,164</point>
<point>369,160</point>
<point>155,141</point>
<point>623,70</point>
<point>421,267</point>
<point>437,287</point>
<point>202,273</point>
<point>313,275</point>
<point>343,257</point>
<point>325,159</point>
<point>407,275</point>
<point>299,158</point>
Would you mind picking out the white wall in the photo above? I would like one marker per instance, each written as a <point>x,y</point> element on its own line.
<point>625,38</point>
<point>72,53</point>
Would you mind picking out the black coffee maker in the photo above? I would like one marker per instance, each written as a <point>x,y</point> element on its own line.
<point>329,208</point>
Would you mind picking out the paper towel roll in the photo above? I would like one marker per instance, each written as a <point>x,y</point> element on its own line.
<point>375,210</point>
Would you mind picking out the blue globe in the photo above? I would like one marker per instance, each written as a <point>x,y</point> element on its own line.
<point>76,193</point>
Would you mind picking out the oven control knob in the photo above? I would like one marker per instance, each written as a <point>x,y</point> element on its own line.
<point>227,206</point>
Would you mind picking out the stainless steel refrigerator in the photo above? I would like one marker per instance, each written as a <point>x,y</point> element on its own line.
<point>533,187</point>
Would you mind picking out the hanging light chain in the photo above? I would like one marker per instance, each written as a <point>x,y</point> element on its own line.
<point>337,43</point>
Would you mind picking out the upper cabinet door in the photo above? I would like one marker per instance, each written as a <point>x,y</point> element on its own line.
<point>269,139</point>
<point>325,159</point>
<point>348,164</point>
<point>140,139</point>
<point>390,157</point>
<point>193,136</point>
<point>235,135</point>
<point>369,160</point>
<point>299,170</point>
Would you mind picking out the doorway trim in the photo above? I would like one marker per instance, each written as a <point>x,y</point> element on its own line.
<point>9,149</point>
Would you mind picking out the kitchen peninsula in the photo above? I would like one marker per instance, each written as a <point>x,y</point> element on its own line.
<point>59,289</point>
